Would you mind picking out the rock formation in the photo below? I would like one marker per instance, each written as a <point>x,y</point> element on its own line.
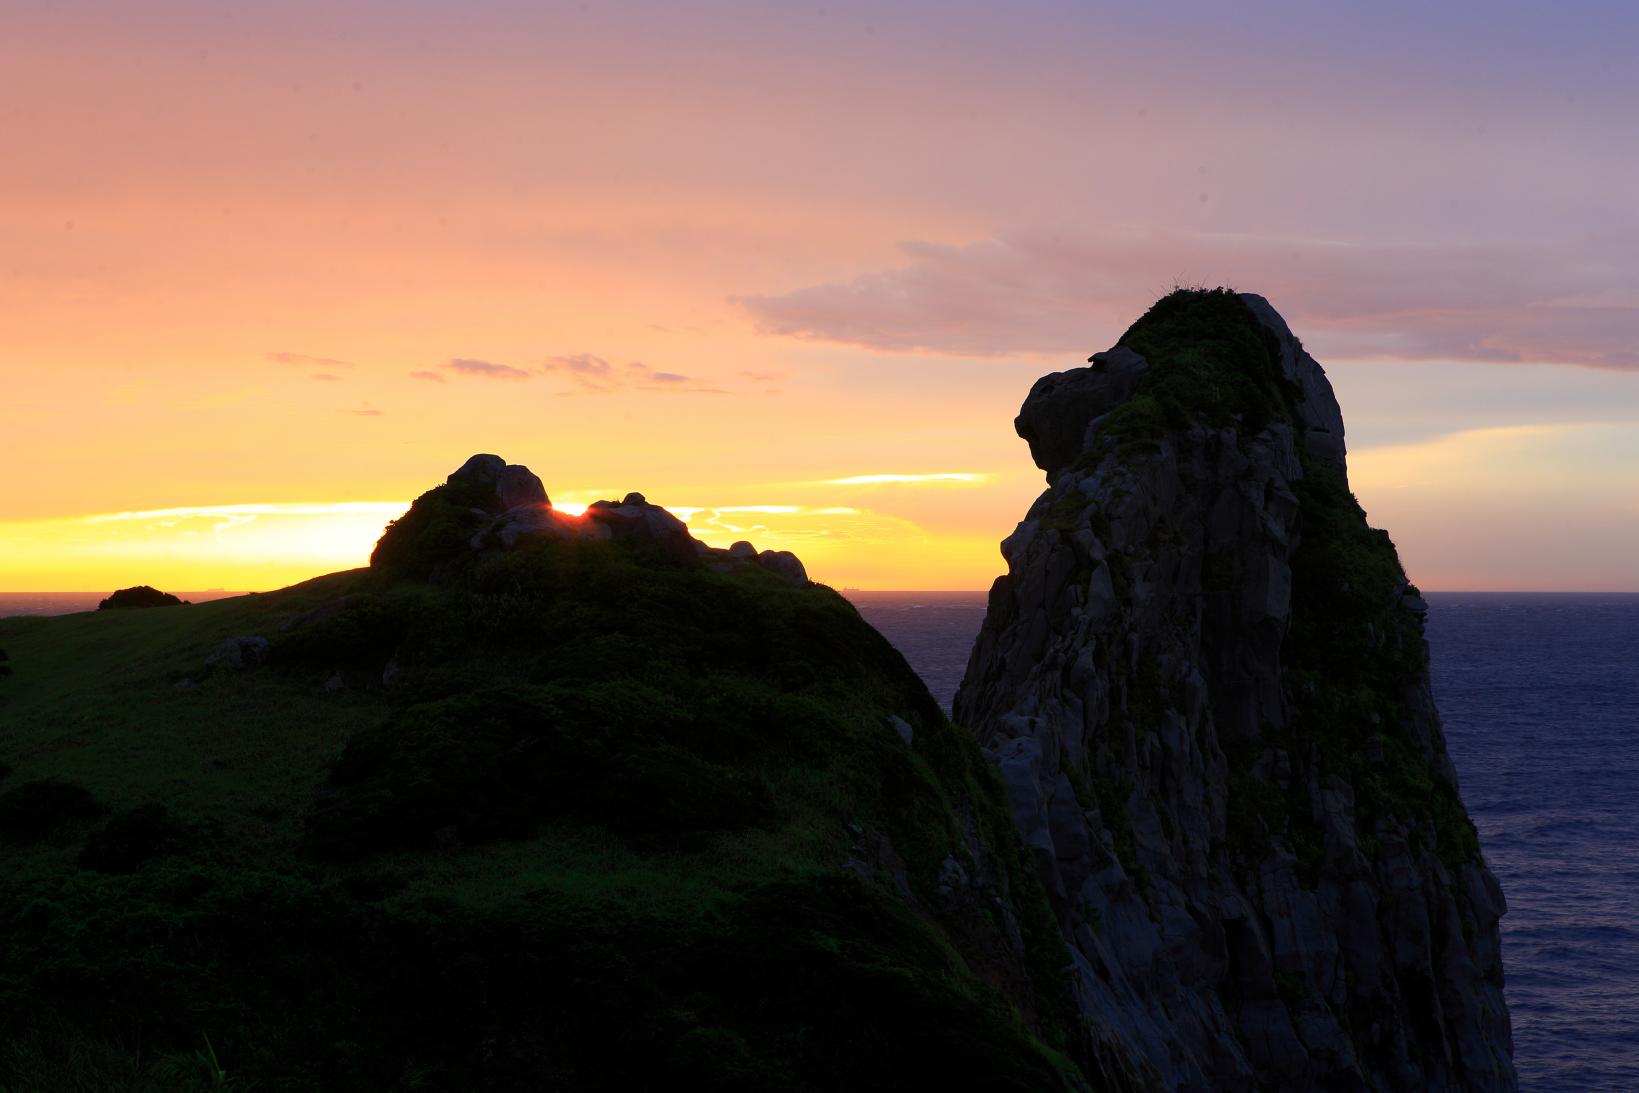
<point>1205,681</point>
<point>489,505</point>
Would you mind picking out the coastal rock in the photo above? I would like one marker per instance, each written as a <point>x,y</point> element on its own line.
<point>1205,683</point>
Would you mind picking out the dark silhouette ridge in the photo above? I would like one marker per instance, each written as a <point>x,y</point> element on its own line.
<point>138,596</point>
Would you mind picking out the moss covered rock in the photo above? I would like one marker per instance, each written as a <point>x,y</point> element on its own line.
<point>1205,680</point>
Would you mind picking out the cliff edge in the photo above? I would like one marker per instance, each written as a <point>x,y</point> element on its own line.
<point>1205,681</point>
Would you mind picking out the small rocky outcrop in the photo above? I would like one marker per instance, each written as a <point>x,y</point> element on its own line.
<point>139,596</point>
<point>237,654</point>
<point>489,505</point>
<point>1205,683</point>
<point>512,484</point>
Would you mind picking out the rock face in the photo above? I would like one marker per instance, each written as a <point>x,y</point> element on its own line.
<point>1205,682</point>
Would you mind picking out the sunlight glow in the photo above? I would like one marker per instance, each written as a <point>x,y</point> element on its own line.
<point>251,546</point>
<point>888,479</point>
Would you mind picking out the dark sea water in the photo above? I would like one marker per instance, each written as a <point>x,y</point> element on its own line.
<point>1539,695</point>
<point>66,603</point>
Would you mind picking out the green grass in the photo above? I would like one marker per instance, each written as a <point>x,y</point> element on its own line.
<point>1210,362</point>
<point>619,823</point>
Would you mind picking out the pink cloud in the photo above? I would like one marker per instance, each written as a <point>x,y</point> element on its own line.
<point>467,366</point>
<point>285,357</point>
<point>594,375</point>
<point>1040,291</point>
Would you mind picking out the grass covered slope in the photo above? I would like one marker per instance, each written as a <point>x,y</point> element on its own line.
<point>579,814</point>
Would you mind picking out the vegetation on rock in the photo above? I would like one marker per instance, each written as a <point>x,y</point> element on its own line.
<point>570,815</point>
<point>138,596</point>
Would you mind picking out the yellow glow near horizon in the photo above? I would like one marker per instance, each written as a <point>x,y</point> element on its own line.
<point>890,479</point>
<point>298,254</point>
<point>1521,508</point>
<point>263,545</point>
<point>249,546</point>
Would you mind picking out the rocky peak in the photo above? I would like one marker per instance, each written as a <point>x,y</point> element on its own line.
<point>512,484</point>
<point>1205,683</point>
<point>488,505</point>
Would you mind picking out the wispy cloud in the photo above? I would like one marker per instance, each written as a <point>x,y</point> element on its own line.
<point>283,356</point>
<point>430,377</point>
<point>586,371</point>
<point>1045,291</point>
<point>366,412</point>
<point>274,508</point>
<point>892,479</point>
<point>468,366</point>
<point>324,377</point>
<point>592,374</point>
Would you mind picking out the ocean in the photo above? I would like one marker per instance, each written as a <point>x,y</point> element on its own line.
<point>1539,695</point>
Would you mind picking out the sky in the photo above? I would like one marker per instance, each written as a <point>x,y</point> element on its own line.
<point>269,271</point>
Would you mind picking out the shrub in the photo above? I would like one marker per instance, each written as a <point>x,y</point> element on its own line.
<point>131,838</point>
<point>138,596</point>
<point>1210,360</point>
<point>37,810</point>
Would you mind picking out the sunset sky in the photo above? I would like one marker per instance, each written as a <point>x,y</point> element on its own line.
<point>267,271</point>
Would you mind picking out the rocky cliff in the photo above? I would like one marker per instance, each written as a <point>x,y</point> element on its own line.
<point>1205,681</point>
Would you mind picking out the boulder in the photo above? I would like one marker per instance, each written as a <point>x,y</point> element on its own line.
<point>517,485</point>
<point>479,470</point>
<point>240,653</point>
<point>785,564</point>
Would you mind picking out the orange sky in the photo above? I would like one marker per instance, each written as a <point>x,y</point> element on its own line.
<point>734,256</point>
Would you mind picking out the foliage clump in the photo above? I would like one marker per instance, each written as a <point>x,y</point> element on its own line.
<point>1210,360</point>
<point>141,595</point>
<point>131,838</point>
<point>40,809</point>
<point>436,531</point>
<point>1354,657</point>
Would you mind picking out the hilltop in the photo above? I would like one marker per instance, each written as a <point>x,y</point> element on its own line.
<point>534,801</point>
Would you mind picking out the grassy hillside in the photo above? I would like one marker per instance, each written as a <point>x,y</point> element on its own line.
<point>575,816</point>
